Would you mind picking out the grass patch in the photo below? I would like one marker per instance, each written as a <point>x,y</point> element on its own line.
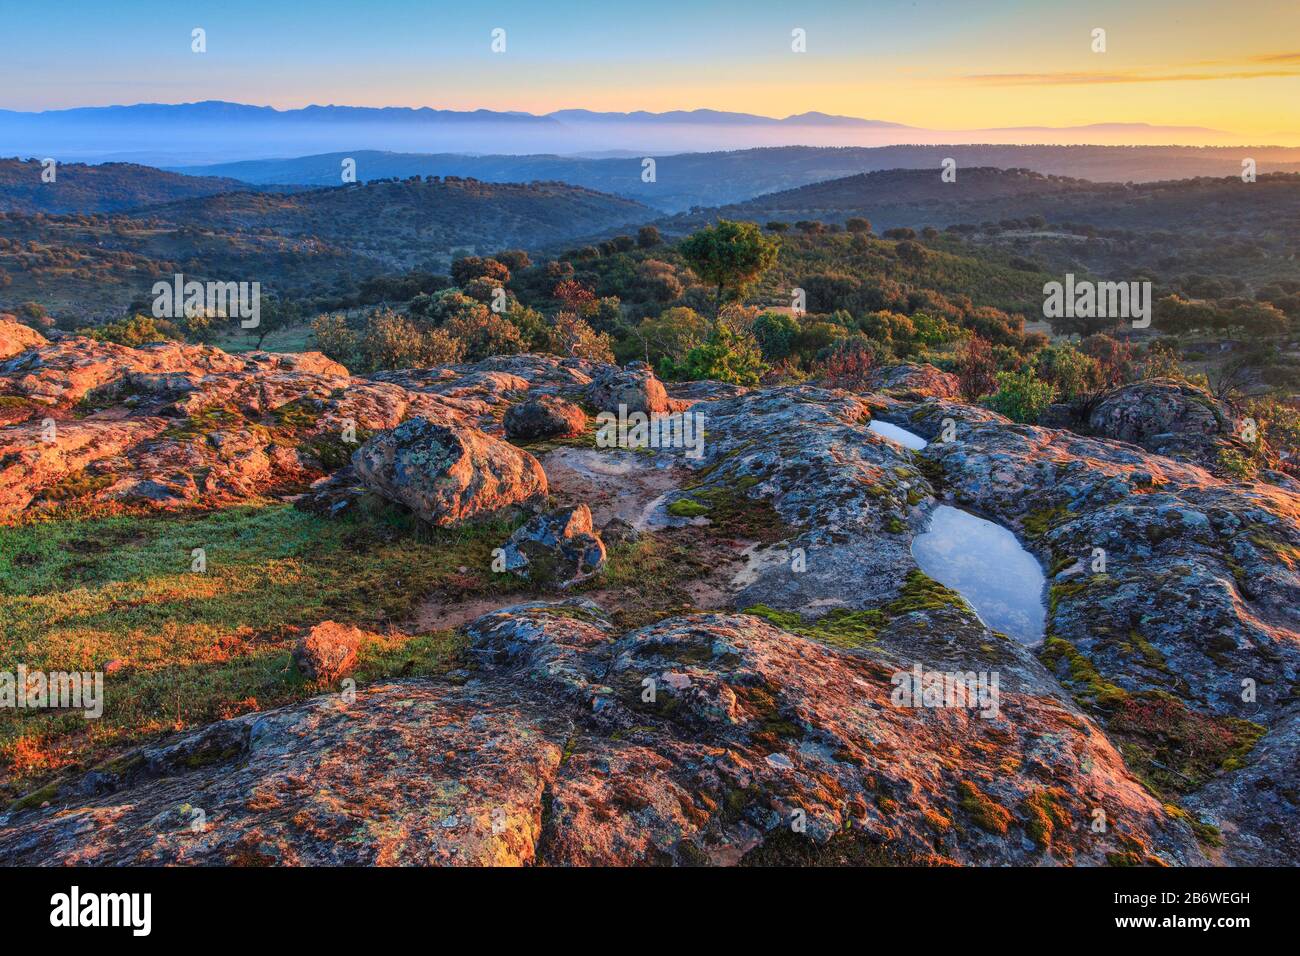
<point>76,594</point>
<point>841,627</point>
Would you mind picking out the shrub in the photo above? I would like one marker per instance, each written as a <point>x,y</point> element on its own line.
<point>727,356</point>
<point>775,333</point>
<point>977,369</point>
<point>336,338</point>
<point>574,337</point>
<point>1073,373</point>
<point>1022,396</point>
<point>485,334</point>
<point>135,331</point>
<point>849,365</point>
<point>392,341</point>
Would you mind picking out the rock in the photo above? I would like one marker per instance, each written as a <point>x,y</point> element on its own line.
<point>16,338</point>
<point>617,531</point>
<point>544,417</point>
<point>555,752</point>
<point>637,389</point>
<point>915,381</point>
<point>1170,418</point>
<point>448,475</point>
<point>328,651</point>
<point>556,549</point>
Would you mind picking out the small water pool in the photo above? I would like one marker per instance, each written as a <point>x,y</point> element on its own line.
<point>897,435</point>
<point>985,564</point>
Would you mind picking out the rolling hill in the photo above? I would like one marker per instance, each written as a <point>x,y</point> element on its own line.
<point>685,180</point>
<point>109,187</point>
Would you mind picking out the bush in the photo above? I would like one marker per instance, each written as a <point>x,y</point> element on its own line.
<point>849,365</point>
<point>485,334</point>
<point>1073,373</point>
<point>775,332</point>
<point>1022,396</point>
<point>135,331</point>
<point>977,369</point>
<point>575,338</point>
<point>727,356</point>
<point>336,338</point>
<point>392,341</point>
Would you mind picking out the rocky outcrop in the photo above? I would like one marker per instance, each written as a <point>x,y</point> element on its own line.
<point>1174,609</point>
<point>196,426</point>
<point>558,549</point>
<point>16,338</point>
<point>328,651</point>
<point>634,388</point>
<point>544,417</point>
<point>1164,694</point>
<point>1169,418</point>
<point>449,475</point>
<point>914,380</point>
<point>701,739</point>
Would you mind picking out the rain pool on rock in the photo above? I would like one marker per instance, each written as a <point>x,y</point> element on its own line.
<point>985,564</point>
<point>898,435</point>
<point>981,561</point>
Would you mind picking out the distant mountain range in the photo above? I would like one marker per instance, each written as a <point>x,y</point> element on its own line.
<point>685,180</point>
<point>216,131</point>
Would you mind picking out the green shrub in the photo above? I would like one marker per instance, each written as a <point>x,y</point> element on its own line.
<point>1022,396</point>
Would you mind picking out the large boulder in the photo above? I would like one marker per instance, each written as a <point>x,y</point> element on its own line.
<point>635,388</point>
<point>447,475</point>
<point>557,549</point>
<point>544,417</point>
<point>16,338</point>
<point>328,651</point>
<point>1167,417</point>
<point>915,380</point>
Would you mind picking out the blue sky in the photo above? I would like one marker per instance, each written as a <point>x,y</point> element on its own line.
<point>940,63</point>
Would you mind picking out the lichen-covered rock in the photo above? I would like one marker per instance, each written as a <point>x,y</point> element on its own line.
<point>1174,607</point>
<point>16,338</point>
<point>544,417</point>
<point>1170,418</point>
<point>328,651</point>
<point>558,549</point>
<point>700,739</point>
<point>634,388</point>
<point>448,475</point>
<point>915,380</point>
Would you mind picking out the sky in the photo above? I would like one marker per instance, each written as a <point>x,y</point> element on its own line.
<point>939,64</point>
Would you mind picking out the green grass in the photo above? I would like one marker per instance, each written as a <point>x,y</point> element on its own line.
<point>297,338</point>
<point>76,594</point>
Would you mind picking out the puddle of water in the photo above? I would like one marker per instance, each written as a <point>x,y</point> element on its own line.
<point>985,564</point>
<point>900,436</point>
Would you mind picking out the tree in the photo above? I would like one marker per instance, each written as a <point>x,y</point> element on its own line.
<point>729,256</point>
<point>575,338</point>
<point>857,224</point>
<point>647,237</point>
<point>275,316</point>
<point>775,332</point>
